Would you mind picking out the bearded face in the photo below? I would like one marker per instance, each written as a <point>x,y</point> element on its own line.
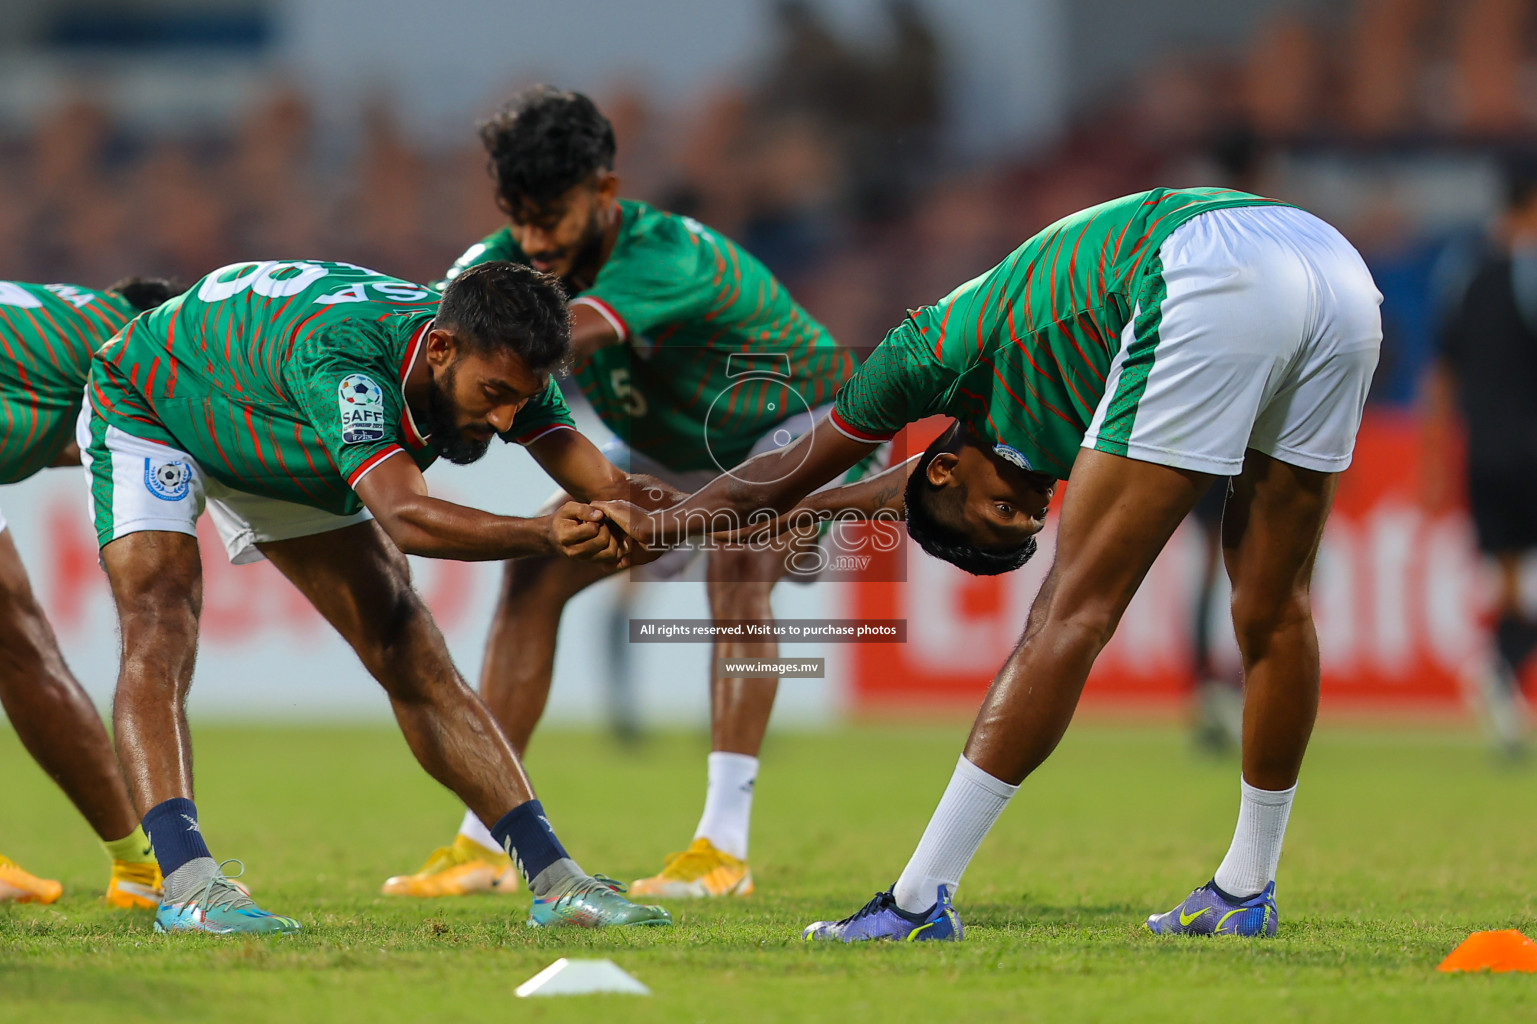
<point>455,440</point>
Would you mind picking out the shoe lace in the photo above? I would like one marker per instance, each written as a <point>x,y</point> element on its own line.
<point>592,885</point>
<point>881,901</point>
<point>219,891</point>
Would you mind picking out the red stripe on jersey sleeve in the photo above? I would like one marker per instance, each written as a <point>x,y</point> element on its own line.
<point>372,461</point>
<point>607,312</point>
<point>848,430</point>
<point>538,432</point>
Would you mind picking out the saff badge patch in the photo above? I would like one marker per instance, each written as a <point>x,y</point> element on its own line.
<point>361,403</point>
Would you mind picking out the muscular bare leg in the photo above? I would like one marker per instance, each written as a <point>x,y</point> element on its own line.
<point>51,713</point>
<point>520,652</point>
<point>740,582</point>
<point>361,583</point>
<point>1270,535</point>
<point>157,584</point>
<point>1116,517</point>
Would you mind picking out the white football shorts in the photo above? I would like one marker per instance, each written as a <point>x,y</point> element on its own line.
<point>1257,327</point>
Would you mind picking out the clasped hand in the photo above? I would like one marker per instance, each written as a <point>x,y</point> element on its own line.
<point>580,531</point>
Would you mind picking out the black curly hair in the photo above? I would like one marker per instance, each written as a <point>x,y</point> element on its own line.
<point>543,143</point>
<point>938,537</point>
<point>499,305</point>
<point>144,293</point>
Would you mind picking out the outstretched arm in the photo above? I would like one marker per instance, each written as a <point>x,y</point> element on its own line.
<point>396,493</point>
<point>870,498</point>
<point>585,473</point>
<point>755,492</point>
<point>882,496</point>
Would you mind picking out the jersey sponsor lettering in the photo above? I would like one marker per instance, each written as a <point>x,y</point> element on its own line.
<point>281,377</point>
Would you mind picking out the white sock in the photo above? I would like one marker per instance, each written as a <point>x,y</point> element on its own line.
<point>473,828</point>
<point>1251,861</point>
<point>972,802</point>
<point>728,802</point>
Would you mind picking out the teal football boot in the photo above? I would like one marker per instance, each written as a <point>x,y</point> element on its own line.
<point>221,907</point>
<point>595,902</point>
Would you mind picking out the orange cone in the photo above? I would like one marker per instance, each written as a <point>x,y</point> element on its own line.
<point>1493,951</point>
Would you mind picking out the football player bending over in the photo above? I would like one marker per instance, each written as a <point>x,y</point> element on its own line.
<point>1145,346</point>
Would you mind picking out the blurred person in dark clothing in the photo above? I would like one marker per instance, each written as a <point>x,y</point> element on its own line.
<point>812,72</point>
<point>897,138</point>
<point>1487,373</point>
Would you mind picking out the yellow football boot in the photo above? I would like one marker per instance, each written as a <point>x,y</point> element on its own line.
<point>701,870</point>
<point>135,885</point>
<point>18,886</point>
<point>458,870</point>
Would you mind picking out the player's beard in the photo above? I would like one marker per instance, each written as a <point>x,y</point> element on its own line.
<point>442,429</point>
<point>584,265</point>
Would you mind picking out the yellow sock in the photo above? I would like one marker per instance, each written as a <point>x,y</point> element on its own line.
<point>133,848</point>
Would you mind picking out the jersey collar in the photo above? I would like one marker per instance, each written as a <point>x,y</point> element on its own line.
<point>414,437</point>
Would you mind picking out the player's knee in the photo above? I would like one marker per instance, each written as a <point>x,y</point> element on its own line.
<point>21,617</point>
<point>395,636</point>
<point>1089,627</point>
<point>741,598</point>
<point>538,582</point>
<point>1082,622</point>
<point>1259,616</point>
<point>16,595</point>
<point>741,580</point>
<point>158,605</point>
<point>29,654</point>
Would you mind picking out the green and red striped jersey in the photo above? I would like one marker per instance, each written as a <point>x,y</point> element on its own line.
<point>1020,354</point>
<point>283,378</point>
<point>714,352</point>
<point>47,334</point>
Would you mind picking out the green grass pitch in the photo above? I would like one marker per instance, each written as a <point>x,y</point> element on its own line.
<point>1401,844</point>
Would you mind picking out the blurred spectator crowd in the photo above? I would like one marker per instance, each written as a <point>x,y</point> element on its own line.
<point>829,161</point>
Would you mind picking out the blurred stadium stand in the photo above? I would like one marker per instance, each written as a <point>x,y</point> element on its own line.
<point>175,137</point>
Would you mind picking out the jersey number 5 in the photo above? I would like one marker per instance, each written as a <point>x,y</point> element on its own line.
<point>634,401</point>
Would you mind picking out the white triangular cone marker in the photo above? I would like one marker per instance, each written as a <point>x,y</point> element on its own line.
<point>579,977</point>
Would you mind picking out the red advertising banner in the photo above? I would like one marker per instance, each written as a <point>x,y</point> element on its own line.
<point>1398,594</point>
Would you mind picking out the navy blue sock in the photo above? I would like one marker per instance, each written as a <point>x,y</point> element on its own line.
<point>525,833</point>
<point>173,832</point>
